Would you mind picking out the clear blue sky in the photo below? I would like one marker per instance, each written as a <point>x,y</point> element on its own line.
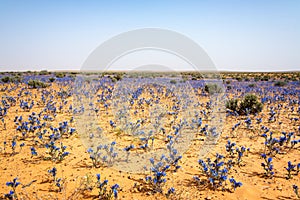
<point>237,35</point>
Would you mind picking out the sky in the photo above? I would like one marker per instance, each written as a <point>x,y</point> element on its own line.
<point>257,35</point>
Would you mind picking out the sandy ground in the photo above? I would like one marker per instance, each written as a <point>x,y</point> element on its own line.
<point>77,169</point>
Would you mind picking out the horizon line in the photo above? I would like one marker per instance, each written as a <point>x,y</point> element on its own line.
<point>134,71</point>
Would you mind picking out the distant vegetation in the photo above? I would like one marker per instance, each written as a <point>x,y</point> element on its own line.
<point>60,74</point>
<point>37,84</point>
<point>51,79</point>
<point>280,83</point>
<point>252,85</point>
<point>213,88</point>
<point>11,79</point>
<point>173,81</point>
<point>44,72</point>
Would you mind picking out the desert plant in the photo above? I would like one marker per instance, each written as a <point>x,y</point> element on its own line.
<point>268,166</point>
<point>235,184</point>
<point>215,172</point>
<point>292,168</point>
<point>36,84</point>
<point>212,88</point>
<point>280,83</point>
<point>51,79</point>
<point>44,72</point>
<point>232,104</point>
<point>173,81</point>
<point>104,191</point>
<point>6,79</point>
<point>295,188</point>
<point>57,182</point>
<point>12,193</point>
<point>250,105</point>
<point>157,179</point>
<point>104,154</point>
<point>60,74</point>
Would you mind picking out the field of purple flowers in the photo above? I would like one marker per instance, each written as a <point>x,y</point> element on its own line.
<point>113,135</point>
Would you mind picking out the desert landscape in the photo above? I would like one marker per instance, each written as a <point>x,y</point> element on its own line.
<point>149,135</point>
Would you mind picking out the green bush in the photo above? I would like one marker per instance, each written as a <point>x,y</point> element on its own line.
<point>173,81</point>
<point>73,76</point>
<point>265,78</point>
<point>119,76</point>
<point>113,79</point>
<point>36,84</point>
<point>251,85</point>
<point>256,78</point>
<point>6,79</point>
<point>116,77</point>
<point>44,72</point>
<point>212,88</point>
<point>17,79</point>
<point>248,105</point>
<point>280,83</point>
<point>239,79</point>
<point>60,74</point>
<point>51,79</point>
<point>232,104</point>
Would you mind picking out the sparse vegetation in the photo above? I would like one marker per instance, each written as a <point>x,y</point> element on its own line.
<point>36,84</point>
<point>38,136</point>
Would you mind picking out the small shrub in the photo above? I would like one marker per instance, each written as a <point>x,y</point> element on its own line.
<point>6,79</point>
<point>213,88</point>
<point>44,72</point>
<point>113,79</point>
<point>51,79</point>
<point>250,104</point>
<point>239,79</point>
<point>173,81</point>
<point>280,83</point>
<point>60,75</point>
<point>119,76</point>
<point>36,84</point>
<point>232,104</point>
<point>265,78</point>
<point>17,79</point>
